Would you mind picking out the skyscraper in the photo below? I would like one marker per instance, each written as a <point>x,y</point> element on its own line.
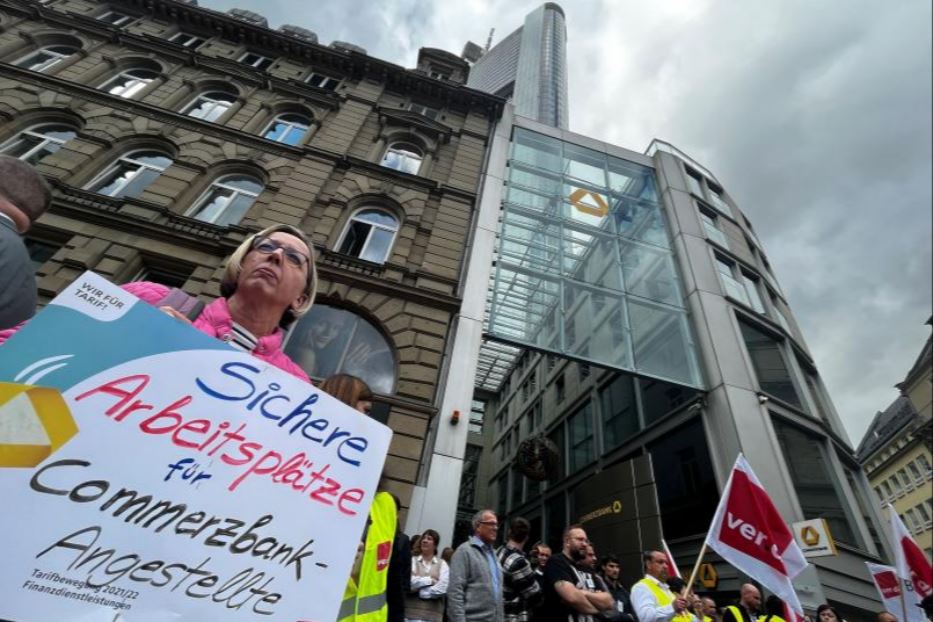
<point>529,67</point>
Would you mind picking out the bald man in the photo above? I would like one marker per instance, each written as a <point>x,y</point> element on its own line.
<point>652,597</point>
<point>747,608</point>
<point>24,196</point>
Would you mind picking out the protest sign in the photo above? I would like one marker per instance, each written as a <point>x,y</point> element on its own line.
<point>152,471</point>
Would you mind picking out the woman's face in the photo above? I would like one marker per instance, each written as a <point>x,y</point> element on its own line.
<point>828,615</point>
<point>323,332</point>
<point>271,277</point>
<point>364,406</point>
<point>428,545</point>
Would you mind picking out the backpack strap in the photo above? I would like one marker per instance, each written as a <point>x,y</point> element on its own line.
<point>186,304</point>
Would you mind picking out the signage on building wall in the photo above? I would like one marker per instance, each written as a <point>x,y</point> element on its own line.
<point>151,471</point>
<point>813,538</point>
<point>618,508</point>
<point>708,576</point>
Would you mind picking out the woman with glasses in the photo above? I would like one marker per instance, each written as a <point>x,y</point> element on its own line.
<point>268,283</point>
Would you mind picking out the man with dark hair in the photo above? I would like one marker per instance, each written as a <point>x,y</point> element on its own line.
<point>566,594</point>
<point>609,569</point>
<point>520,590</point>
<point>24,196</point>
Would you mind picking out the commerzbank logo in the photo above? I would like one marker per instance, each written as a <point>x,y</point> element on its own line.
<point>34,423</point>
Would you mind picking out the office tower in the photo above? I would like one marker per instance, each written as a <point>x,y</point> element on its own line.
<point>529,67</point>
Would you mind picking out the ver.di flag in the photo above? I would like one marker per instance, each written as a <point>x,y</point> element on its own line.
<point>889,588</point>
<point>911,563</point>
<point>749,533</point>
<point>671,564</point>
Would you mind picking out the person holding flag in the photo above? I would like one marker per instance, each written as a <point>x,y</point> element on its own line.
<point>652,598</point>
<point>748,532</point>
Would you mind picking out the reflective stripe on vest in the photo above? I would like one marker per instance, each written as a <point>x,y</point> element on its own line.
<point>371,592</point>
<point>737,613</point>
<point>347,610</point>
<point>765,618</point>
<point>662,597</point>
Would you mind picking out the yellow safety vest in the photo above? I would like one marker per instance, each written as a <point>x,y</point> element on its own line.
<point>707,619</point>
<point>366,602</point>
<point>738,614</point>
<point>773,619</point>
<point>664,599</point>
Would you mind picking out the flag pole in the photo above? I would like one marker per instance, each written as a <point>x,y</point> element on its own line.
<point>696,568</point>
<point>900,582</point>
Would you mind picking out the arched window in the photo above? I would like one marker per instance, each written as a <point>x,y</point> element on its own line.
<point>403,157</point>
<point>45,58</point>
<point>330,340</point>
<point>129,82</point>
<point>38,141</point>
<point>131,174</point>
<point>209,106</point>
<point>227,200</point>
<point>288,128</point>
<point>369,235</point>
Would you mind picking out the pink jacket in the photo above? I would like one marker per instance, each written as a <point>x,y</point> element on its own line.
<point>215,321</point>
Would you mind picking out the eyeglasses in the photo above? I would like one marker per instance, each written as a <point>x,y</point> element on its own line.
<point>268,246</point>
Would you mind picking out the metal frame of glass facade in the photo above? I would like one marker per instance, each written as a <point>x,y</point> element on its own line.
<point>584,265</point>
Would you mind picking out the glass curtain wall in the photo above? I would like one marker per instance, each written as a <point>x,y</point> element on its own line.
<point>585,266</point>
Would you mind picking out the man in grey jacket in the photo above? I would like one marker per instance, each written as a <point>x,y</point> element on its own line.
<point>24,196</point>
<point>474,593</point>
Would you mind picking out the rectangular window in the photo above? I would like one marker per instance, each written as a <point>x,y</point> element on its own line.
<point>816,393</point>
<point>115,18</point>
<point>879,494</point>
<point>715,197</point>
<point>924,465</point>
<point>915,525</point>
<point>619,412</point>
<point>898,490</point>
<point>559,389</point>
<point>915,471</point>
<point>923,513</point>
<point>887,489</point>
<point>734,289</point>
<point>695,181</point>
<point>584,369</point>
<point>517,488</point>
<point>323,82</point>
<point>904,479</point>
<point>187,40</point>
<point>536,416</point>
<point>712,229</point>
<point>258,61</point>
<point>477,414</point>
<point>863,508</point>
<point>751,289</point>
<point>431,113</point>
<point>468,478</point>
<point>811,472</point>
<point>580,438</point>
<point>557,437</point>
<point>770,367</point>
<point>503,494</point>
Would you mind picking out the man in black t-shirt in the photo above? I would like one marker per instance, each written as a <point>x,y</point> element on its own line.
<point>568,596</point>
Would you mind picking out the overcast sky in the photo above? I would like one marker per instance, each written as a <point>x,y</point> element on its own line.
<point>816,117</point>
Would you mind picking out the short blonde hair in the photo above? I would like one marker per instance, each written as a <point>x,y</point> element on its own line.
<point>228,282</point>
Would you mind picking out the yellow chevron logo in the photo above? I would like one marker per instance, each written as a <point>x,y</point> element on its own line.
<point>34,423</point>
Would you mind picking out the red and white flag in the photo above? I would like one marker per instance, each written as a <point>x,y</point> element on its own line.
<point>671,564</point>
<point>889,588</point>
<point>749,533</point>
<point>910,562</point>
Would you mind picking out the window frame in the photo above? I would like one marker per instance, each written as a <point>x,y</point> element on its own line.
<point>193,43</point>
<point>261,63</point>
<point>403,155</point>
<point>122,20</point>
<point>325,81</point>
<point>292,125</point>
<point>709,221</point>
<point>126,158</point>
<point>205,95</point>
<point>57,57</point>
<point>142,82</point>
<point>202,200</point>
<point>349,224</point>
<point>43,142</point>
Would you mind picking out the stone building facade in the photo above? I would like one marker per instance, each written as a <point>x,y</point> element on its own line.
<point>171,132</point>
